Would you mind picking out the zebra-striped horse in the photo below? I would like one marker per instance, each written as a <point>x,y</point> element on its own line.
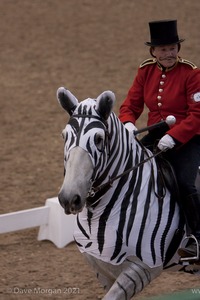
<point>126,218</point>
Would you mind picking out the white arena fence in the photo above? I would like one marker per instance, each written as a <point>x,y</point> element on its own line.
<point>54,224</point>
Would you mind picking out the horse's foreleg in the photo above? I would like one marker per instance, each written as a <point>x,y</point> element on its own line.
<point>132,280</point>
<point>123,281</point>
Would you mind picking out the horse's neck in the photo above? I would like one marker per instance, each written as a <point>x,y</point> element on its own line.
<point>124,152</point>
<point>122,141</point>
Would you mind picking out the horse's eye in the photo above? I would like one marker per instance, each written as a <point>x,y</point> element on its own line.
<point>99,141</point>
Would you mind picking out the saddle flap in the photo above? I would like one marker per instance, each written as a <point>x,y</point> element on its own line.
<point>168,175</point>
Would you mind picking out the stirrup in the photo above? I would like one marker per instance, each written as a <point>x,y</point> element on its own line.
<point>195,257</point>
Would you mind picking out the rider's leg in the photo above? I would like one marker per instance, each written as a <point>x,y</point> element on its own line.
<point>192,212</point>
<point>186,164</point>
<point>186,161</point>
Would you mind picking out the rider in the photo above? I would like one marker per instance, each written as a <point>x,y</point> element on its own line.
<point>170,85</point>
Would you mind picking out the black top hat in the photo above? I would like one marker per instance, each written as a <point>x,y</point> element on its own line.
<point>163,32</point>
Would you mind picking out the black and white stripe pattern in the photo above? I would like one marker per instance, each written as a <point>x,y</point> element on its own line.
<point>132,218</point>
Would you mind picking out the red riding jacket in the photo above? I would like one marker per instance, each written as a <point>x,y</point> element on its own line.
<point>174,91</point>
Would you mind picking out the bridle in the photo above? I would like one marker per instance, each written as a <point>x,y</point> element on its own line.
<point>94,190</point>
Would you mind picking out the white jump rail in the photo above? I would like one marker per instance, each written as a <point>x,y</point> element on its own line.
<point>54,224</point>
<point>24,219</point>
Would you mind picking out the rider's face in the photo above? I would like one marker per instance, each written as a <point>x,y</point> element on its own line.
<point>166,55</point>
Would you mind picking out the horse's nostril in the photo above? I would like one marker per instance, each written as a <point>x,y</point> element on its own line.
<point>70,204</point>
<point>76,201</point>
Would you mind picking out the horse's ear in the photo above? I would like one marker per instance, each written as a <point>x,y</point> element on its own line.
<point>67,100</point>
<point>105,102</point>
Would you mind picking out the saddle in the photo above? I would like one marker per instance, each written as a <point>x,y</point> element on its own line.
<point>167,175</point>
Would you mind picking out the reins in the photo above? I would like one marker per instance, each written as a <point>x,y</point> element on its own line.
<point>94,190</point>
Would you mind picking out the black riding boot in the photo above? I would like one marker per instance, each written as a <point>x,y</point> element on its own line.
<point>192,213</point>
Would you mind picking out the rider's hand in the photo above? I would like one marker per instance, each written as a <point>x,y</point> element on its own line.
<point>130,126</point>
<point>166,142</point>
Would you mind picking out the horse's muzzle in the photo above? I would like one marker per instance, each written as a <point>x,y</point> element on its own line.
<point>71,206</point>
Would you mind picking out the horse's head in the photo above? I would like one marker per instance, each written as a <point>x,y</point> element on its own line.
<point>85,138</point>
